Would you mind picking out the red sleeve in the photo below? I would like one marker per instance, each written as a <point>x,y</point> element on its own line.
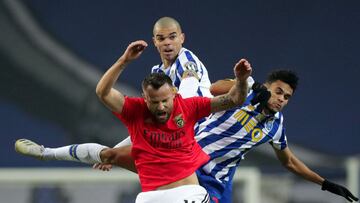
<point>200,105</point>
<point>131,105</point>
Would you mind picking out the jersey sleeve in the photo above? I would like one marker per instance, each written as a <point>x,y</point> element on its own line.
<point>188,87</point>
<point>131,105</point>
<point>201,106</point>
<point>155,69</point>
<point>279,140</point>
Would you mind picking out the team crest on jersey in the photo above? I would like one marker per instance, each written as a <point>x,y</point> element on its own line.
<point>179,121</point>
<point>191,66</point>
<point>269,124</point>
<point>190,70</point>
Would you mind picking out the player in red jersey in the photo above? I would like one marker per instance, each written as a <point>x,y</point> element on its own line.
<point>161,127</point>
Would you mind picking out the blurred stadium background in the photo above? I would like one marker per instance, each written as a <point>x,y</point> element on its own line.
<point>52,53</point>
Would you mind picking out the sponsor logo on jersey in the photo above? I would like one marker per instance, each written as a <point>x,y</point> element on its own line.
<point>256,135</point>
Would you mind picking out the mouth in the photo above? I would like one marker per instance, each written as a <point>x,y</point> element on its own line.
<point>161,115</point>
<point>277,106</point>
<point>168,51</point>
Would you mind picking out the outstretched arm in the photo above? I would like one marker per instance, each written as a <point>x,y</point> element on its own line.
<point>111,97</point>
<point>293,164</point>
<point>237,94</point>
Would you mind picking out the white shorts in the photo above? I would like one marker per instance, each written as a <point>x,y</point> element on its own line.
<point>181,194</point>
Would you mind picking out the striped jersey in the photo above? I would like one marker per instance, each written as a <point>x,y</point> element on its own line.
<point>227,136</point>
<point>186,60</point>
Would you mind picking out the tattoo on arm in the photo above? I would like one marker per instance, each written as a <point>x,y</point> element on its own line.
<point>235,97</point>
<point>221,102</point>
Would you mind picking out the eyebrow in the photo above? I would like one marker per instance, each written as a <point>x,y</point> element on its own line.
<point>288,94</point>
<point>168,35</point>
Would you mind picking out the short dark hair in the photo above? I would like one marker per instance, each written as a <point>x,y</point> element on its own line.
<point>156,80</point>
<point>286,76</point>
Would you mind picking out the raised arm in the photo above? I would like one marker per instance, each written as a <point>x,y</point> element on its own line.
<point>111,97</point>
<point>293,164</point>
<point>237,94</point>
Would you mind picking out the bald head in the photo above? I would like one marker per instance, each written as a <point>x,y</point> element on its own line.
<point>166,22</point>
<point>168,39</point>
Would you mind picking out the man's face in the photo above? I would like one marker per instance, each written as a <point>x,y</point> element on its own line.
<point>281,92</point>
<point>160,101</point>
<point>168,41</point>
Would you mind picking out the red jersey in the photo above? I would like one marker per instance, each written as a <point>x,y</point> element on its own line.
<point>165,153</point>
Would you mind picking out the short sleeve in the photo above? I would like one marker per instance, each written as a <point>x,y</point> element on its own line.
<point>131,105</point>
<point>279,140</point>
<point>200,105</point>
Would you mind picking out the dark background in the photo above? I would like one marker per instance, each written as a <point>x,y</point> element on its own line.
<point>317,39</point>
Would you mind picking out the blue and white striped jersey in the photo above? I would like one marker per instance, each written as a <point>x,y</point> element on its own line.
<point>227,136</point>
<point>186,60</point>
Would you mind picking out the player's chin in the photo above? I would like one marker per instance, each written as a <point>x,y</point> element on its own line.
<point>169,55</point>
<point>273,109</point>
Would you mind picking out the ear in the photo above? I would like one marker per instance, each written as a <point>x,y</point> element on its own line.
<point>174,90</point>
<point>183,37</point>
<point>267,85</point>
<point>154,40</point>
<point>144,96</point>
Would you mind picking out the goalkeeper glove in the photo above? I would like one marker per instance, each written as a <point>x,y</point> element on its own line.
<point>339,190</point>
<point>262,95</point>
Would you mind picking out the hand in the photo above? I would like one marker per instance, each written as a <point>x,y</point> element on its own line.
<point>242,70</point>
<point>134,50</point>
<point>262,95</point>
<point>339,190</point>
<point>103,167</point>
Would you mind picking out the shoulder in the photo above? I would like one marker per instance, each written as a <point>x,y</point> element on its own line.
<point>189,62</point>
<point>196,100</point>
<point>155,68</point>
<point>185,55</point>
<point>134,100</point>
<point>279,117</point>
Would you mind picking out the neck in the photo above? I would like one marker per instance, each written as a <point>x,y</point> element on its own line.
<point>167,63</point>
<point>267,111</point>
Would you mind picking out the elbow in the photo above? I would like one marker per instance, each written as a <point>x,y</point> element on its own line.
<point>289,165</point>
<point>100,92</point>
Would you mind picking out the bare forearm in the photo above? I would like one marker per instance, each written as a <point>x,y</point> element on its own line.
<point>120,156</point>
<point>299,168</point>
<point>110,77</point>
<point>238,92</point>
<point>235,97</point>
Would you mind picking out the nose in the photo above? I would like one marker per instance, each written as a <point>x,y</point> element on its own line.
<point>281,98</point>
<point>161,106</point>
<point>166,41</point>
